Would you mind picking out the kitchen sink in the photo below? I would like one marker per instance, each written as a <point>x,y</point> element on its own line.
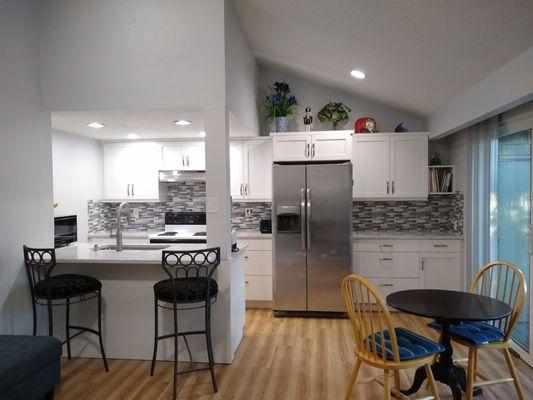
<point>134,247</point>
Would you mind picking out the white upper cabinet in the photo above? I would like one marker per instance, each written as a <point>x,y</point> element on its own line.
<point>370,166</point>
<point>183,155</point>
<point>390,166</point>
<point>312,146</point>
<point>409,166</point>
<point>258,169</point>
<point>130,171</point>
<point>251,169</point>
<point>236,164</point>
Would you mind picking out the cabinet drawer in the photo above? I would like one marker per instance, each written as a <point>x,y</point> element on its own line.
<point>258,263</point>
<point>257,244</point>
<point>386,245</point>
<point>386,286</point>
<point>440,246</point>
<point>387,265</point>
<point>258,287</point>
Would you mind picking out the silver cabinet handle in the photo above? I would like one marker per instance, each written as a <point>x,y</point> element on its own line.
<point>440,245</point>
<point>182,160</point>
<point>387,187</point>
<point>187,161</point>
<point>313,150</point>
<point>386,245</point>
<point>308,219</point>
<point>246,189</point>
<point>422,264</point>
<point>133,189</point>
<point>386,284</point>
<point>386,259</point>
<point>307,150</point>
<point>302,218</point>
<point>128,189</point>
<point>392,187</point>
<point>242,189</point>
<point>246,283</point>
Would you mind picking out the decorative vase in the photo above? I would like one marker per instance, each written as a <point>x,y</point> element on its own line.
<point>282,124</point>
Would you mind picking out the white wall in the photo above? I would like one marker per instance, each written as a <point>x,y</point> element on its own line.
<point>124,54</point>
<point>508,87</point>
<point>78,176</point>
<point>241,72</point>
<point>317,95</point>
<point>26,215</point>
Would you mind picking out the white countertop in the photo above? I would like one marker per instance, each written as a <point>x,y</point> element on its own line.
<point>84,253</point>
<point>405,235</point>
<point>253,234</point>
<point>125,234</point>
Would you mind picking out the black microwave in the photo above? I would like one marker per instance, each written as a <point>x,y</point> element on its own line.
<point>65,230</point>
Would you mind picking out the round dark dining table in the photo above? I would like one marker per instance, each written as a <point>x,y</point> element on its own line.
<point>447,307</point>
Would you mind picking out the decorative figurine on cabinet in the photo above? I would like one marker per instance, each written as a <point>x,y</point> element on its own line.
<point>308,119</point>
<point>365,125</point>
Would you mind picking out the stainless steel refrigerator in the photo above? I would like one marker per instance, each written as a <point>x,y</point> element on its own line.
<point>312,229</point>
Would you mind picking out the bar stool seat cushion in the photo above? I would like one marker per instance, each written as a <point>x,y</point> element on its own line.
<point>477,333</point>
<point>67,285</point>
<point>410,345</point>
<point>188,290</point>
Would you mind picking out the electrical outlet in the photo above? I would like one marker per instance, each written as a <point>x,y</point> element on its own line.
<point>248,212</point>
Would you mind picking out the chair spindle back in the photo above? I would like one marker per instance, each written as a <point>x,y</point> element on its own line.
<point>39,264</point>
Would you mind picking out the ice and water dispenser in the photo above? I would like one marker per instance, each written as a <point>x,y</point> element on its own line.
<point>288,219</point>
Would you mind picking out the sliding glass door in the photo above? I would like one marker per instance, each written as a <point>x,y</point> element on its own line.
<point>510,216</point>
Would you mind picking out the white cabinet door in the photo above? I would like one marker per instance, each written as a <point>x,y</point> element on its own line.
<point>331,146</point>
<point>258,169</point>
<point>370,166</point>
<point>194,156</point>
<point>130,170</point>
<point>409,166</point>
<point>172,156</point>
<point>236,161</point>
<point>292,147</point>
<point>117,177</point>
<point>441,271</point>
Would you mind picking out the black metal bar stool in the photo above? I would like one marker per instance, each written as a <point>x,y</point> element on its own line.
<point>58,290</point>
<point>190,286</point>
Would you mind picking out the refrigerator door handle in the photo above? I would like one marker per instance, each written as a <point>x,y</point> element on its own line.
<point>308,219</point>
<point>302,218</point>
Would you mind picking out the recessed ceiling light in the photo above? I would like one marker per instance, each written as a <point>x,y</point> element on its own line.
<point>202,134</point>
<point>95,125</point>
<point>132,136</point>
<point>182,122</point>
<point>358,74</point>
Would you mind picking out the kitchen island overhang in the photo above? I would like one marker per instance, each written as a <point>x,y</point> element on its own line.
<point>128,304</point>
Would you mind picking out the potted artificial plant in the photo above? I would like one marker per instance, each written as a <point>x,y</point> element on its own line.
<point>280,105</point>
<point>336,113</point>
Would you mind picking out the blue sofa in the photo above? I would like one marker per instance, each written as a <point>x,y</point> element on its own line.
<point>29,367</point>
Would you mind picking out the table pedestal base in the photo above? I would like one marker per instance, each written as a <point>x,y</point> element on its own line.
<point>444,370</point>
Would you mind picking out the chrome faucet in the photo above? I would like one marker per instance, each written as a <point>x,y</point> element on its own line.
<point>120,208</point>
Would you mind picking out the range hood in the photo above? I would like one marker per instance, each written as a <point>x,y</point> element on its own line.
<point>181,176</point>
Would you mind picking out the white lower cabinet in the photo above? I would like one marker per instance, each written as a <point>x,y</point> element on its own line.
<point>258,272</point>
<point>394,265</point>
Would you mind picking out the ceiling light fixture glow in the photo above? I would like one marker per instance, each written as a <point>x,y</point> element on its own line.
<point>132,136</point>
<point>182,122</point>
<point>357,74</point>
<point>95,125</point>
<point>202,134</point>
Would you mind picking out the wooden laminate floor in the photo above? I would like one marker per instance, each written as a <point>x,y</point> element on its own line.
<point>279,358</point>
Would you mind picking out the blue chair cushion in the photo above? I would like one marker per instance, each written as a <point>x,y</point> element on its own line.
<point>410,345</point>
<point>477,333</point>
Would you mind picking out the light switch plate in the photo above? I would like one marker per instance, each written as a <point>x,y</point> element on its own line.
<point>212,206</point>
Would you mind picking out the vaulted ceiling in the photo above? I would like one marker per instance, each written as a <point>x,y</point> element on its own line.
<point>417,54</point>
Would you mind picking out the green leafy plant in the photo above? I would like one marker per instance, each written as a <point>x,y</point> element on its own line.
<point>335,113</point>
<point>279,103</point>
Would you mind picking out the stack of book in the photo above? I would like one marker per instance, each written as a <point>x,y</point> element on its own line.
<point>440,181</point>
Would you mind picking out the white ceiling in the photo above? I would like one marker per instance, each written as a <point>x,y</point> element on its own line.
<point>417,54</point>
<point>148,124</point>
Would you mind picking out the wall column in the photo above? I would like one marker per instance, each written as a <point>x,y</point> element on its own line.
<point>218,201</point>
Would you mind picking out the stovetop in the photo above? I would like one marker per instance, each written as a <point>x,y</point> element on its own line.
<point>182,228</point>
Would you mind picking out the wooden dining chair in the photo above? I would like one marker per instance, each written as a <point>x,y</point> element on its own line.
<point>381,345</point>
<point>503,281</point>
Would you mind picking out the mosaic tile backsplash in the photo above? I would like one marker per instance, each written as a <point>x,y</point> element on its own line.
<point>441,213</point>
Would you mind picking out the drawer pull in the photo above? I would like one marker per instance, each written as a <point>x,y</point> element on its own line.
<point>386,245</point>
<point>386,259</point>
<point>246,257</point>
<point>440,245</point>
<point>386,284</point>
<point>246,283</point>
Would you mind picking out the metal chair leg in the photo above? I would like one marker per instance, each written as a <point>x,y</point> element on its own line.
<point>104,359</point>
<point>209,345</point>
<point>50,319</point>
<point>67,330</point>
<point>156,333</point>
<point>34,309</point>
<point>174,385</point>
<point>188,348</point>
